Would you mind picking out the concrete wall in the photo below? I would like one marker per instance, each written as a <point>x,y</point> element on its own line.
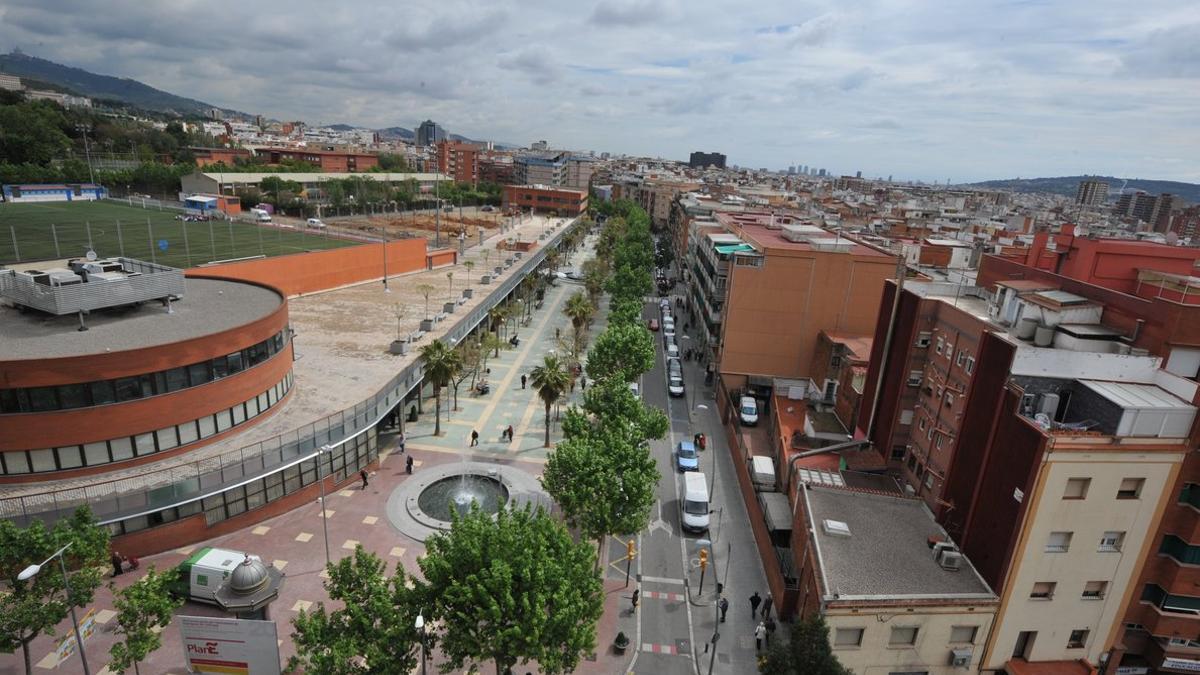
<point>931,653</point>
<point>304,273</point>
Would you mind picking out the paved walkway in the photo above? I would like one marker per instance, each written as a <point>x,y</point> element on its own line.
<point>296,542</point>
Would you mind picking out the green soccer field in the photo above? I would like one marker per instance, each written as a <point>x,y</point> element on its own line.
<point>51,230</point>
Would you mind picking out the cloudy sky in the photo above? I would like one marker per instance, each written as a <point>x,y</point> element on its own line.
<point>962,90</point>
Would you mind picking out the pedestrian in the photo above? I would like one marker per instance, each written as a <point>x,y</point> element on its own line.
<point>400,442</point>
<point>724,607</point>
<point>363,475</point>
<point>522,381</point>
<point>474,438</point>
<point>760,634</point>
<point>637,594</point>
<point>557,333</point>
<point>767,602</point>
<point>116,563</point>
<point>583,383</point>
<point>770,624</point>
<point>509,431</point>
<point>408,464</point>
<point>755,600</point>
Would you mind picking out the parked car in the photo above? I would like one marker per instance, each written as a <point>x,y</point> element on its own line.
<point>686,457</point>
<point>672,351</point>
<point>315,223</point>
<point>637,391</point>
<point>652,324</point>
<point>748,410</point>
<point>487,208</point>
<point>675,386</point>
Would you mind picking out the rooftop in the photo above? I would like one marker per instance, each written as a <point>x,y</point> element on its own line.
<point>317,177</point>
<point>887,555</point>
<point>208,306</point>
<point>753,226</point>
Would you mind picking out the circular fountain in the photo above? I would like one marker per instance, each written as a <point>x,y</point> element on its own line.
<point>426,502</point>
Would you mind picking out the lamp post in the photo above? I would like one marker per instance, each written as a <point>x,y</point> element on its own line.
<point>29,572</point>
<point>420,624</point>
<point>321,481</point>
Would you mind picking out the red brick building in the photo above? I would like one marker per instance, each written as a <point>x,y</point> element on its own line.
<point>227,156</point>
<point>556,200</point>
<point>459,160</point>
<point>330,161</point>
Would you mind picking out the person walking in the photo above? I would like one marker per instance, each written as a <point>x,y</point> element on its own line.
<point>400,442</point>
<point>116,563</point>
<point>523,379</point>
<point>583,383</point>
<point>755,601</point>
<point>637,594</point>
<point>770,626</point>
<point>363,475</point>
<point>760,634</point>
<point>474,438</point>
<point>509,431</point>
<point>767,602</point>
<point>723,605</point>
<point>408,464</point>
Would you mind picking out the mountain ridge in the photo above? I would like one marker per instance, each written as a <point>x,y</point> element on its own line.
<point>1068,185</point>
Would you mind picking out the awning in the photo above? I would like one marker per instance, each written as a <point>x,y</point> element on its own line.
<point>777,510</point>
<point>734,248</point>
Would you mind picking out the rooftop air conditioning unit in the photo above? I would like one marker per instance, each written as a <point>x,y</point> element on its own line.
<point>836,528</point>
<point>960,658</point>
<point>951,560</point>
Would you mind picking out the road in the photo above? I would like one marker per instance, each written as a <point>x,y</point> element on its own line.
<point>675,620</point>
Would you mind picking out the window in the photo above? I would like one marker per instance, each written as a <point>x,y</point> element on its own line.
<point>1111,541</point>
<point>962,356</point>
<point>1078,639</point>
<point>963,634</point>
<point>914,378</point>
<point>903,636</point>
<point>970,365</point>
<point>1059,542</point>
<point>906,417</point>
<point>921,423</point>
<point>1042,590</point>
<point>1077,488</point>
<point>1094,590</point>
<point>941,344</point>
<point>929,480</point>
<point>898,452</point>
<point>949,399</point>
<point>835,362</point>
<point>848,637</point>
<point>923,339</point>
<point>1131,488</point>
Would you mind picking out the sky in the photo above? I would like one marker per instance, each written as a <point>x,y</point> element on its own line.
<point>917,89</point>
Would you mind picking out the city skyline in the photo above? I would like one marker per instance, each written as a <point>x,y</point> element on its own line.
<point>994,91</point>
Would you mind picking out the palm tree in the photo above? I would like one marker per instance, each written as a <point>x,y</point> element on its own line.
<point>425,290</point>
<point>450,278</point>
<point>580,310</point>
<point>469,265</point>
<point>550,380</point>
<point>441,364</point>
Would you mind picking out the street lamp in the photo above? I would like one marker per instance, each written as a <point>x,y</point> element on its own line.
<point>29,572</point>
<point>421,627</point>
<point>321,481</point>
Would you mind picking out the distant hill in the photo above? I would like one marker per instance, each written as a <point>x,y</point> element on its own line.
<point>396,132</point>
<point>1068,185</point>
<point>124,90</point>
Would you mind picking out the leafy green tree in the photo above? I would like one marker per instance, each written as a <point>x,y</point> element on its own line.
<point>807,652</point>
<point>511,589</point>
<point>610,401</point>
<point>580,310</point>
<point>550,380</point>
<point>36,605</point>
<point>595,273</point>
<point>604,481</point>
<point>625,311</point>
<point>32,132</point>
<point>373,630</point>
<point>144,608</point>
<point>628,282</point>
<point>441,364</point>
<point>623,352</point>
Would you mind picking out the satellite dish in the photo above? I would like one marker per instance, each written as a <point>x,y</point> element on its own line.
<point>91,255</point>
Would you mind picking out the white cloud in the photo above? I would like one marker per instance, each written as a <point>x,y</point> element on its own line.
<point>926,90</point>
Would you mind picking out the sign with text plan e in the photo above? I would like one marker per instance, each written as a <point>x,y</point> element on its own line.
<point>229,646</point>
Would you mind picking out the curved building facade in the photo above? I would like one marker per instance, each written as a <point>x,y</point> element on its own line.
<point>142,383</point>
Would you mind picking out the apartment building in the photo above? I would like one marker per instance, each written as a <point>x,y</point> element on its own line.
<point>1104,261</point>
<point>897,596</point>
<point>459,160</point>
<point>1091,193</point>
<point>540,168</point>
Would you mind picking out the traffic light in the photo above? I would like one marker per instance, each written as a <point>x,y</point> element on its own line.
<point>703,559</point>
<point>629,552</point>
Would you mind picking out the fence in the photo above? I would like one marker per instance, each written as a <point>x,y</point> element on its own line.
<point>116,500</point>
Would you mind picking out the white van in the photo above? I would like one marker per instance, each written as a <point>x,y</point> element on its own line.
<point>762,473</point>
<point>693,508</point>
<point>260,215</point>
<point>315,223</point>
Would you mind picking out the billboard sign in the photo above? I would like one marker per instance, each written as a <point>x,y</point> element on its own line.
<point>229,646</point>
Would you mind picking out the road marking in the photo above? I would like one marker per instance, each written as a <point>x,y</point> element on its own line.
<point>661,580</point>
<point>659,649</point>
<point>658,595</point>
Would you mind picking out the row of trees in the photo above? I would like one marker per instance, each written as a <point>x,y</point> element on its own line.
<point>37,605</point>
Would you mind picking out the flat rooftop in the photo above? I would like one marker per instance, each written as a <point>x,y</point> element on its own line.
<point>753,226</point>
<point>887,554</point>
<point>208,306</point>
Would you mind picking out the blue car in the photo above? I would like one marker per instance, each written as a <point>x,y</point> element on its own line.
<point>686,458</point>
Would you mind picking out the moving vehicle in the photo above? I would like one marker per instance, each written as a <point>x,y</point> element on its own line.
<point>686,457</point>
<point>748,410</point>
<point>693,507</point>
<point>260,216</point>
<point>315,223</point>
<point>652,324</point>
<point>762,473</point>
<point>664,304</point>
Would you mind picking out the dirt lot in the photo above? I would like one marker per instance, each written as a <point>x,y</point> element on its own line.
<point>424,224</point>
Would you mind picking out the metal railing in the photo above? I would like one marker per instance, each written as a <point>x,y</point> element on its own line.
<point>116,500</point>
<point>155,281</point>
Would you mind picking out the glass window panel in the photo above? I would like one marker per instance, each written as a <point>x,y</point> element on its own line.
<point>224,420</point>
<point>177,379</point>
<point>73,396</point>
<point>167,438</point>
<point>262,403</point>
<point>255,500</point>
<point>271,397</point>
<point>128,389</point>
<point>220,367</point>
<point>198,373</point>
<point>102,392</point>
<point>16,462</point>
<point>235,507</point>
<point>239,413</point>
<point>95,453</point>
<point>188,509</point>
<point>135,524</point>
<point>188,433</point>
<point>8,401</point>
<point>42,460</point>
<point>122,448</point>
<point>234,363</point>
<point>208,426</point>
<point>144,443</point>
<point>42,399</point>
<point>148,385</point>
<point>69,457</point>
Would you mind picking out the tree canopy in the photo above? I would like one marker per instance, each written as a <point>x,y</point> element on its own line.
<point>622,352</point>
<point>807,652</point>
<point>144,608</point>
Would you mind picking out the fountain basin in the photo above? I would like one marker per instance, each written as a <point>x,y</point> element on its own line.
<point>456,493</point>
